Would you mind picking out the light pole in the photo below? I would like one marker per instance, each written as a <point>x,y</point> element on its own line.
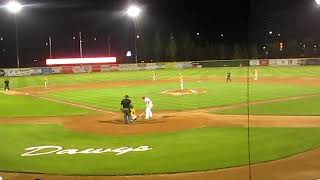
<point>318,2</point>
<point>15,7</point>
<point>50,47</point>
<point>80,44</point>
<point>133,12</point>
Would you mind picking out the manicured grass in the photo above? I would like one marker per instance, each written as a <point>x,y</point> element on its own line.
<point>26,106</point>
<point>219,93</point>
<point>191,150</point>
<point>299,107</point>
<point>299,71</point>
<point>288,71</point>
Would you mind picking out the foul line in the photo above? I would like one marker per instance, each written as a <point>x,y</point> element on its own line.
<point>71,104</point>
<point>284,99</point>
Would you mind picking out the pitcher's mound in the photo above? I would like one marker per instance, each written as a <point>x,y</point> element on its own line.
<point>179,92</point>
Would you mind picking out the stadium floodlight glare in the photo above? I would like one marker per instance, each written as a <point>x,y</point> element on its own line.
<point>133,11</point>
<point>14,7</point>
<point>100,60</point>
<point>318,2</point>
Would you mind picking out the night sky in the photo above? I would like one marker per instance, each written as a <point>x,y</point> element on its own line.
<point>239,21</point>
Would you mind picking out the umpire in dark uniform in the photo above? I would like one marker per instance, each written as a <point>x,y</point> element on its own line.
<point>6,84</point>
<point>125,107</point>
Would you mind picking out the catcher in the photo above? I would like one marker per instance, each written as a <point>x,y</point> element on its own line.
<point>133,113</point>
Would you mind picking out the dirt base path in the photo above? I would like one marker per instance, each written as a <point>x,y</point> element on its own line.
<point>112,124</point>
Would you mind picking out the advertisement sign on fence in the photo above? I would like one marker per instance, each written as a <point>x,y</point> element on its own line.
<point>283,62</point>
<point>67,70</point>
<point>128,67</point>
<point>254,62</point>
<point>46,71</point>
<point>81,69</point>
<point>183,65</point>
<point>2,72</point>
<point>56,70</point>
<point>19,72</point>
<point>36,71</point>
<point>114,67</point>
<point>264,62</point>
<point>96,68</point>
<point>105,68</point>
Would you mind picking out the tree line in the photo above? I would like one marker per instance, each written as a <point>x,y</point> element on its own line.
<point>187,47</point>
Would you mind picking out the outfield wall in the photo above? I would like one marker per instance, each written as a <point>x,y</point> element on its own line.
<point>286,62</point>
<point>153,66</point>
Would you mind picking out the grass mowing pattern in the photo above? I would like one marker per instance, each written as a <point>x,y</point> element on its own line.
<point>218,94</point>
<point>299,71</point>
<point>26,106</point>
<point>191,150</point>
<point>298,107</point>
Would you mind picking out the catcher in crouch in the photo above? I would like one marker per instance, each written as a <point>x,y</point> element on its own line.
<point>133,114</point>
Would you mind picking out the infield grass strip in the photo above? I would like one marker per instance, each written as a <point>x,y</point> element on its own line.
<point>190,150</point>
<point>219,93</point>
<point>308,106</point>
<point>26,106</point>
<point>61,79</point>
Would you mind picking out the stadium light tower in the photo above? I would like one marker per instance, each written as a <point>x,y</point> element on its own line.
<point>15,7</point>
<point>134,12</point>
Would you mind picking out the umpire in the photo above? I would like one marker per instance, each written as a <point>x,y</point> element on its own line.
<point>125,107</point>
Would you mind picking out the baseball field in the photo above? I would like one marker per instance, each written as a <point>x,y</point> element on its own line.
<point>78,118</point>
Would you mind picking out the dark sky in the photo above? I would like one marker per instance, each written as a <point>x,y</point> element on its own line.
<point>239,21</point>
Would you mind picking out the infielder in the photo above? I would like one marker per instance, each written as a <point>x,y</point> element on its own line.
<point>46,82</point>
<point>154,75</point>
<point>6,84</point>
<point>228,77</point>
<point>149,106</point>
<point>181,82</point>
<point>256,74</point>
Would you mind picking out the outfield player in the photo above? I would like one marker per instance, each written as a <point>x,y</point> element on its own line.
<point>256,74</point>
<point>45,82</point>
<point>228,77</point>
<point>125,108</point>
<point>154,76</point>
<point>181,82</point>
<point>6,84</point>
<point>149,106</point>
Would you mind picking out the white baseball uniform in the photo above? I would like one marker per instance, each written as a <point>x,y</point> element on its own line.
<point>45,82</point>
<point>256,74</point>
<point>154,76</point>
<point>181,83</point>
<point>149,106</point>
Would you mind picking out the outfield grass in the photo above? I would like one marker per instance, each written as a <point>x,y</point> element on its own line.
<point>190,150</point>
<point>26,106</point>
<point>299,71</point>
<point>219,93</point>
<point>298,107</point>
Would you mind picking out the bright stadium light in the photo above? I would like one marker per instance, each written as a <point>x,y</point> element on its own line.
<point>71,61</point>
<point>14,7</point>
<point>133,11</point>
<point>318,2</point>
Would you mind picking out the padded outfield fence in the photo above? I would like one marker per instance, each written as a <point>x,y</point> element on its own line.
<point>153,66</point>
